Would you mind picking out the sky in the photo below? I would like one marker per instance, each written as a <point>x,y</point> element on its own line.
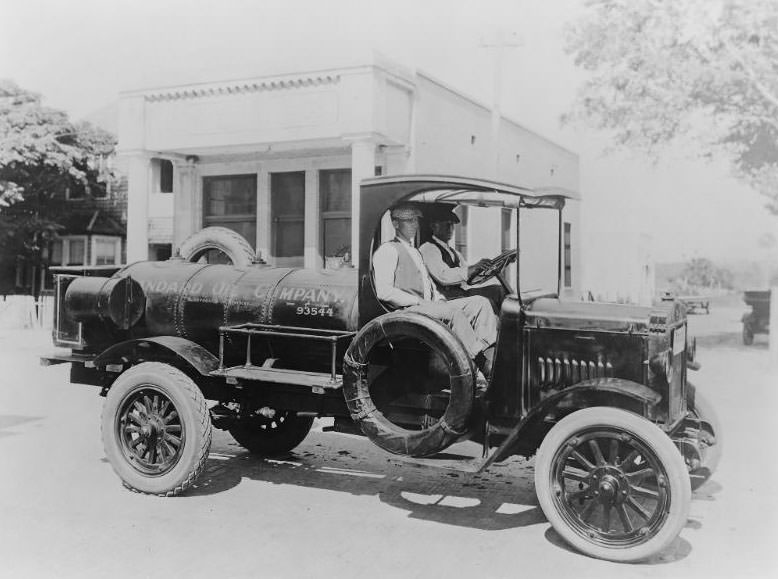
<point>80,54</point>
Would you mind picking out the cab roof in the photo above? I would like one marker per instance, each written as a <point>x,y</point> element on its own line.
<point>388,191</point>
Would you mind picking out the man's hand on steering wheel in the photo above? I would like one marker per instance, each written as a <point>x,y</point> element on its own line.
<point>482,264</point>
<point>490,267</point>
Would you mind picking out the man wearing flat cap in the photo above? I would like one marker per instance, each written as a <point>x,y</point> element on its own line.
<point>446,265</point>
<point>402,281</point>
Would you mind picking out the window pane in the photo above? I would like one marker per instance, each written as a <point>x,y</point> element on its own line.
<point>56,252</point>
<point>288,193</point>
<point>335,187</point>
<point>460,231</point>
<point>165,176</point>
<point>77,252</point>
<point>230,195</point>
<point>289,238</point>
<point>105,252</point>
<point>505,238</point>
<point>568,256</point>
<point>287,210</point>
<point>337,236</point>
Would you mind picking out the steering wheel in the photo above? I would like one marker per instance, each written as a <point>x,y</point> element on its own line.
<point>493,268</point>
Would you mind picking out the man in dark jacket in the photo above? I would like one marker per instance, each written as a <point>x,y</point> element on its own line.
<point>448,268</point>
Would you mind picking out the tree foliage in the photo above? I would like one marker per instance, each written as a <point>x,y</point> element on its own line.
<point>702,273</point>
<point>700,69</point>
<point>42,155</point>
<point>42,151</point>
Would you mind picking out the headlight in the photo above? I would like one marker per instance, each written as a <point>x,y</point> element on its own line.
<point>662,365</point>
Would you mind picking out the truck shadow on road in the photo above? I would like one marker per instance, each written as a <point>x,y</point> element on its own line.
<point>502,498</point>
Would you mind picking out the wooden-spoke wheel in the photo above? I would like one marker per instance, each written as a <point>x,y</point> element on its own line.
<point>151,434</point>
<point>612,484</point>
<point>156,429</point>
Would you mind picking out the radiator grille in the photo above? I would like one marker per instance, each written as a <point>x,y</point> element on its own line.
<point>565,371</point>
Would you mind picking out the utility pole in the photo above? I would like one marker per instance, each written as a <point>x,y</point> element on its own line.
<point>500,41</point>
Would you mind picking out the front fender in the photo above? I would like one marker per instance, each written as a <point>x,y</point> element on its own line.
<point>180,352</point>
<point>612,392</point>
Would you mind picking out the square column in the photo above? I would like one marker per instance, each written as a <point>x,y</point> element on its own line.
<point>187,216</point>
<point>264,222</point>
<point>138,187</point>
<point>362,167</point>
<point>312,256</point>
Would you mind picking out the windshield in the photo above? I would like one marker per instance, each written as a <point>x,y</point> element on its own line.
<point>539,251</point>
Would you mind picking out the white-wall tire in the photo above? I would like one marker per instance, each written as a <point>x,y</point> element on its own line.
<point>638,473</point>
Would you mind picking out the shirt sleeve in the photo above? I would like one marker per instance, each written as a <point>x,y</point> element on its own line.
<point>384,266</point>
<point>439,270</point>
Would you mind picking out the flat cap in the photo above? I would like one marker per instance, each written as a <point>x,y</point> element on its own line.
<point>405,212</point>
<point>442,213</point>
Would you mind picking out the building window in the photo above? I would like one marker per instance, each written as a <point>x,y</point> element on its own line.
<point>69,250</point>
<point>165,176</point>
<point>99,190</point>
<point>460,230</point>
<point>568,257</point>
<point>106,251</point>
<point>162,175</point>
<point>335,204</point>
<point>231,201</point>
<point>75,193</point>
<point>287,211</point>
<point>505,231</point>
<point>77,252</point>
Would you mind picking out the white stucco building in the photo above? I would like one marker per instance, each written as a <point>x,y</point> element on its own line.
<point>279,159</point>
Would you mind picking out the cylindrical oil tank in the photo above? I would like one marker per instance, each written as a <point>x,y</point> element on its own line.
<point>193,300</point>
<point>115,301</point>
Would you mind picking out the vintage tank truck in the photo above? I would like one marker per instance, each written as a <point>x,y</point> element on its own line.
<point>597,392</point>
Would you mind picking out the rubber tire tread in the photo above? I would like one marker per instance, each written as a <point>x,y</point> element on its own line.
<point>654,438</point>
<point>356,390</point>
<point>201,428</point>
<point>273,442</point>
<point>229,242</point>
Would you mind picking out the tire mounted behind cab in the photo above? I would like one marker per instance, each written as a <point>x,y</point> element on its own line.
<point>408,337</point>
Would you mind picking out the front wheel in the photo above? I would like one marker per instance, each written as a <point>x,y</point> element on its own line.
<point>156,429</point>
<point>612,484</point>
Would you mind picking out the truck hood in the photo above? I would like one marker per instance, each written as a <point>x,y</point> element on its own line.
<point>551,312</point>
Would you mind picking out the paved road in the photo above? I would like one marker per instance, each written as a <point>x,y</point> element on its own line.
<point>339,507</point>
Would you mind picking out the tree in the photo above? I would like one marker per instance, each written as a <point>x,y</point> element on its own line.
<point>662,70</point>
<point>702,273</point>
<point>43,155</point>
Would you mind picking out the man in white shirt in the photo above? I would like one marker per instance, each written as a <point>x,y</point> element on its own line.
<point>448,268</point>
<point>402,281</point>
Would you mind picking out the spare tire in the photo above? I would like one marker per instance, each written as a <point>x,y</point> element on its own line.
<point>231,244</point>
<point>411,340</point>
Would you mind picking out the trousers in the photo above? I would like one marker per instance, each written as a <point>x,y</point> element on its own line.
<point>471,319</point>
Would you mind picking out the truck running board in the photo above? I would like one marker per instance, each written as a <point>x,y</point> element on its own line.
<point>319,382</point>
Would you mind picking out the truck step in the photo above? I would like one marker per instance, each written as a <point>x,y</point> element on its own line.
<point>318,381</point>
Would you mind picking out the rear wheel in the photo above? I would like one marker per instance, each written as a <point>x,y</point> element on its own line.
<point>156,429</point>
<point>272,435</point>
<point>612,484</point>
